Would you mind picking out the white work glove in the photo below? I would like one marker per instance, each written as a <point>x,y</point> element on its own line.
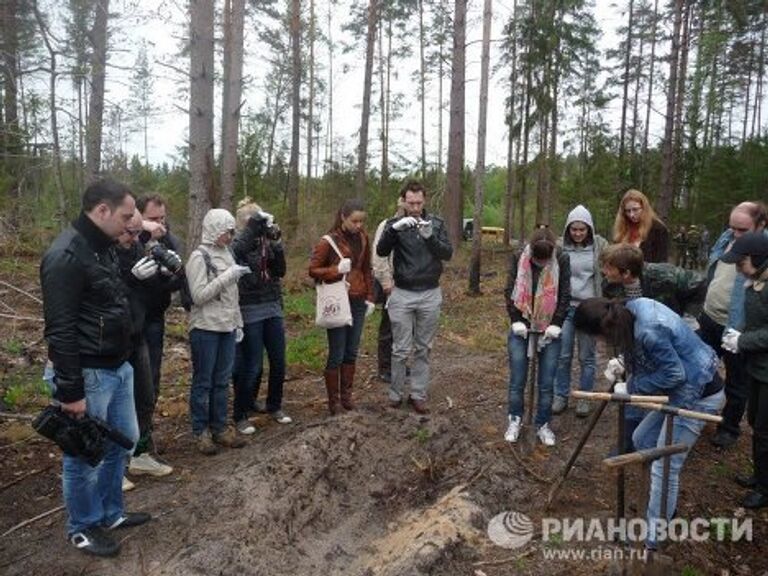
<point>268,217</point>
<point>345,265</point>
<point>425,228</point>
<point>369,308</point>
<point>519,329</point>
<point>614,371</point>
<point>144,268</point>
<point>238,271</point>
<point>620,388</point>
<point>403,223</point>
<point>552,332</point>
<point>731,341</point>
<point>239,335</point>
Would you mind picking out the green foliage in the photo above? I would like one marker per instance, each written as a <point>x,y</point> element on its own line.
<point>422,435</point>
<point>690,571</point>
<point>23,389</point>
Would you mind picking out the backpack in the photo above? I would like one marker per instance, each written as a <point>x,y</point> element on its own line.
<point>184,293</point>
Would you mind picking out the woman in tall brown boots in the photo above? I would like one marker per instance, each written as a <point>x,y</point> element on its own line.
<point>345,252</point>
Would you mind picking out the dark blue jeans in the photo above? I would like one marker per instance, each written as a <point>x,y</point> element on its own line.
<point>266,334</point>
<point>154,332</point>
<point>213,354</point>
<point>343,342</point>
<point>517,351</point>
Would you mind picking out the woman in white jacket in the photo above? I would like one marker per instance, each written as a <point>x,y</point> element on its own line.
<point>214,320</point>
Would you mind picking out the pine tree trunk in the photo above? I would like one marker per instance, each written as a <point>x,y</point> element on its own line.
<point>98,76</point>
<point>422,90</point>
<point>201,74</point>
<point>679,99</point>
<point>477,223</point>
<point>234,19</point>
<point>509,206</point>
<point>746,95</point>
<point>329,151</point>
<point>311,103</point>
<point>365,116</point>
<point>757,109</point>
<point>664,202</point>
<point>651,76</point>
<point>293,177</point>
<point>625,89</point>
<point>453,194</point>
<point>280,90</point>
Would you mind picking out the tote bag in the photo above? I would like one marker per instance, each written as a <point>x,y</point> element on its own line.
<point>332,303</point>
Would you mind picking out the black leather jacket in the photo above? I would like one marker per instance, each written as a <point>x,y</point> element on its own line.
<point>267,260</point>
<point>85,304</point>
<point>417,262</point>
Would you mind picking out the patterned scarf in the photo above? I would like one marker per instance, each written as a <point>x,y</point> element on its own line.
<point>539,307</point>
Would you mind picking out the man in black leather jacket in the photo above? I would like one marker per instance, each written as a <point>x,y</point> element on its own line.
<point>420,243</point>
<point>88,330</point>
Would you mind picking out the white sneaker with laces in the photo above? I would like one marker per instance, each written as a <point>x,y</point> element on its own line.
<point>513,430</point>
<point>145,464</point>
<point>245,427</point>
<point>546,436</point>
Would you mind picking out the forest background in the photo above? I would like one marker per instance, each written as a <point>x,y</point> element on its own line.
<point>300,104</point>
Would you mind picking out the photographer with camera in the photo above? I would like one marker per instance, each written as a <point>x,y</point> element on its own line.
<point>140,273</point>
<point>165,248</point>
<point>87,328</point>
<point>257,245</point>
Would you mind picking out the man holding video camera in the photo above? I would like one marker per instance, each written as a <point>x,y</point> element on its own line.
<point>419,242</point>
<point>87,328</point>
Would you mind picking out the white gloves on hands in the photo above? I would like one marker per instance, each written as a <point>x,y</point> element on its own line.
<point>344,266</point>
<point>620,388</point>
<point>369,308</point>
<point>144,268</point>
<point>239,271</point>
<point>519,329</point>
<point>614,371</point>
<point>425,228</point>
<point>406,222</point>
<point>552,332</point>
<point>730,341</point>
<point>239,335</point>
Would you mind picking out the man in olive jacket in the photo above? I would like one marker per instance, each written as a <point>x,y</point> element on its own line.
<point>88,330</point>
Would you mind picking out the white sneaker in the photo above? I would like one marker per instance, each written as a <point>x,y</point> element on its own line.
<point>145,464</point>
<point>128,485</point>
<point>245,427</point>
<point>513,431</point>
<point>546,435</point>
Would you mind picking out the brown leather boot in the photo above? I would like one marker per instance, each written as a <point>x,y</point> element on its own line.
<point>347,378</point>
<point>332,386</point>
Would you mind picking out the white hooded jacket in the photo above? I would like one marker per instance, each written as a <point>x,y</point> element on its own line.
<point>215,297</point>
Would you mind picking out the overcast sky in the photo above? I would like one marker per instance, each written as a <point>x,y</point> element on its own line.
<point>164,30</point>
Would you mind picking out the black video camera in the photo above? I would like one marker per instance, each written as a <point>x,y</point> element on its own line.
<point>165,257</point>
<point>261,228</point>
<point>83,438</point>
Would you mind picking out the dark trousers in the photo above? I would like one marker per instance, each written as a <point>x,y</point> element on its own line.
<point>384,353</point>
<point>736,381</point>
<point>143,395</point>
<point>344,342</point>
<point>757,415</point>
<point>154,332</point>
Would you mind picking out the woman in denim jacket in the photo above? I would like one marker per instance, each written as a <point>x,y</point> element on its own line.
<point>663,356</point>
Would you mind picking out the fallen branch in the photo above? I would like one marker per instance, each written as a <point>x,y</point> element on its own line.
<point>20,291</point>
<point>23,477</point>
<point>528,469</point>
<point>13,529</point>
<point>505,560</point>
<point>14,317</point>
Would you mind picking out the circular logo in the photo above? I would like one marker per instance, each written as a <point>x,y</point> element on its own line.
<point>510,530</point>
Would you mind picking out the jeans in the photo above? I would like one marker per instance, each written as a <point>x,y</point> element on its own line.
<point>517,350</point>
<point>94,495</point>
<point>344,342</point>
<point>213,354</point>
<point>154,332</point>
<point>249,362</point>
<point>143,394</point>
<point>568,339</point>
<point>757,414</point>
<point>651,433</point>
<point>384,344</point>
<point>414,317</point>
<point>736,379</point>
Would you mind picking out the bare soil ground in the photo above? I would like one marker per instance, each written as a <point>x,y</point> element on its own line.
<point>372,492</point>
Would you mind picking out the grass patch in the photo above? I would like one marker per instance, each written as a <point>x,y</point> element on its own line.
<point>14,346</point>
<point>24,389</point>
<point>307,349</point>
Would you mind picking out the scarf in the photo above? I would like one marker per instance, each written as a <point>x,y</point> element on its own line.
<point>633,233</point>
<point>537,307</point>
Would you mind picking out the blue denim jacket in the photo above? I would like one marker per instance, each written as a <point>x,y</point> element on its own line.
<point>668,358</point>
<point>736,311</point>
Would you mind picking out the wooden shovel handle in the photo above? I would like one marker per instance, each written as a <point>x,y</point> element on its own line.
<point>634,398</point>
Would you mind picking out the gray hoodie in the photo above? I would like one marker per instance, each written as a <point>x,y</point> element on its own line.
<point>586,276</point>
<point>215,297</point>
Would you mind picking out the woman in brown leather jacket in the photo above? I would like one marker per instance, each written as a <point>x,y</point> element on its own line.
<point>354,262</point>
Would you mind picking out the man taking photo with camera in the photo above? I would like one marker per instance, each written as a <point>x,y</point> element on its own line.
<point>87,328</point>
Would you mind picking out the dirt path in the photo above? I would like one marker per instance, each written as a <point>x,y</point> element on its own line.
<point>372,492</point>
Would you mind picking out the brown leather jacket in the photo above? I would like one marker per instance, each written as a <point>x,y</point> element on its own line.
<point>324,261</point>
